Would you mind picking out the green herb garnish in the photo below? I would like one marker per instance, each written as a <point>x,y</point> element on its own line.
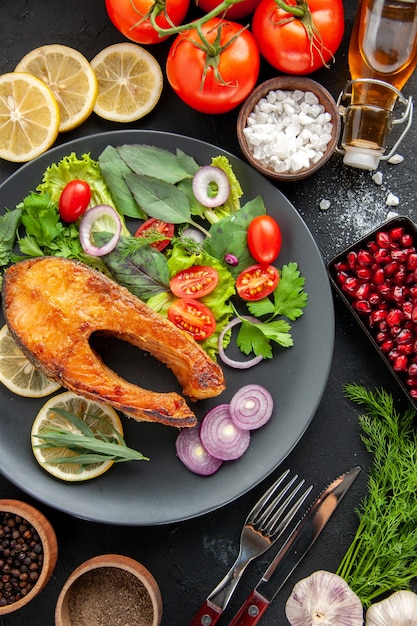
<point>383,555</point>
<point>87,445</point>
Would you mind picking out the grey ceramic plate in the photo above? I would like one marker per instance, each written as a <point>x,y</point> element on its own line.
<point>162,490</point>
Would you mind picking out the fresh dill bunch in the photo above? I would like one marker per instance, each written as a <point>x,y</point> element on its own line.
<point>382,557</point>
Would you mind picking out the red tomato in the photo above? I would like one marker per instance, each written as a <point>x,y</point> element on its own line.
<point>193,317</point>
<point>131,17</point>
<point>74,200</point>
<point>264,239</point>
<point>155,225</point>
<point>195,282</point>
<point>257,282</point>
<point>234,12</point>
<point>295,45</point>
<point>219,83</point>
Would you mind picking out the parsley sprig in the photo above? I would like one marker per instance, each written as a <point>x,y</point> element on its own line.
<point>289,299</point>
<point>382,557</point>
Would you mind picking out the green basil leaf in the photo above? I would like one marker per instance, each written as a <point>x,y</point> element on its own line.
<point>114,169</point>
<point>160,199</point>
<point>144,272</point>
<point>157,162</point>
<point>9,223</point>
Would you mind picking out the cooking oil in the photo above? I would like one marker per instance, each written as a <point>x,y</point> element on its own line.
<point>382,56</point>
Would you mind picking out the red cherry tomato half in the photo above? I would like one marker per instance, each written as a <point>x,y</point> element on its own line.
<point>156,226</point>
<point>74,200</point>
<point>193,317</point>
<point>257,282</point>
<point>195,282</point>
<point>264,239</point>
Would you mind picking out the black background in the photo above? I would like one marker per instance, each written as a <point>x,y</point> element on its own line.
<point>189,558</point>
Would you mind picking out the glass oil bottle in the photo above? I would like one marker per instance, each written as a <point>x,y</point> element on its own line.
<point>382,57</point>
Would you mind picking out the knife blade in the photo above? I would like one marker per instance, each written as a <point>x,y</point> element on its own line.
<point>293,550</point>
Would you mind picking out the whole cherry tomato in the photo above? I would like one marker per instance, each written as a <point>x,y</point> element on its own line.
<point>193,317</point>
<point>299,42</point>
<point>217,78</point>
<point>234,12</point>
<point>264,239</point>
<point>195,282</point>
<point>74,200</point>
<point>131,17</point>
<point>153,225</point>
<point>257,282</point>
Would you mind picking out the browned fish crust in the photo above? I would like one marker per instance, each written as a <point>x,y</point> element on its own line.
<point>53,305</point>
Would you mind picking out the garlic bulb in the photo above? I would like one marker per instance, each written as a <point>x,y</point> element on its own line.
<point>400,609</point>
<point>323,599</point>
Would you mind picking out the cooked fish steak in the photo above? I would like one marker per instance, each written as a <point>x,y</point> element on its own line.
<point>53,305</point>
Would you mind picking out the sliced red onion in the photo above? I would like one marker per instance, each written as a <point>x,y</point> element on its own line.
<point>201,183</point>
<point>193,454</point>
<point>86,226</point>
<point>221,437</point>
<point>241,365</point>
<point>251,407</point>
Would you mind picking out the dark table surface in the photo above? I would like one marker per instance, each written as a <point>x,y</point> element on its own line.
<point>190,557</point>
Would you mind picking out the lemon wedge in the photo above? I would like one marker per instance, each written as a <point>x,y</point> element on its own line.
<point>18,374</point>
<point>129,82</point>
<point>69,76</point>
<point>99,418</point>
<point>29,117</point>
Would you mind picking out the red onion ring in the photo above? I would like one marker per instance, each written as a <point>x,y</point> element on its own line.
<point>221,437</point>
<point>193,454</point>
<point>86,224</point>
<point>251,407</point>
<point>241,365</point>
<point>201,181</point>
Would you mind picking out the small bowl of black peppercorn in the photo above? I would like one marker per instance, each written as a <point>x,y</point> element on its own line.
<point>28,554</point>
<point>109,589</point>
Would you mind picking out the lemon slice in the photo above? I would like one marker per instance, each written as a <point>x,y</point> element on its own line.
<point>129,82</point>
<point>69,76</point>
<point>98,417</point>
<point>29,117</point>
<point>18,374</point>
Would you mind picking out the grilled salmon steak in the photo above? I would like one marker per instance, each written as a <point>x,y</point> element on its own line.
<point>52,307</point>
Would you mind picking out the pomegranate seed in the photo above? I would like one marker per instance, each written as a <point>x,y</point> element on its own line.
<point>414,315</point>
<point>374,299</point>
<point>341,266</point>
<point>393,354</point>
<point>383,239</point>
<point>412,261</point>
<point>396,233</point>
<point>363,291</point>
<point>399,255</point>
<point>362,306</point>
<point>400,275</point>
<point>387,345</point>
<point>382,255</point>
<point>384,290</point>
<point>391,268</point>
<point>372,246</point>
<point>412,370</point>
<point>379,276</point>
<point>400,363</point>
<point>395,330</point>
<point>351,284</point>
<point>413,393</point>
<point>397,294</point>
<point>364,273</point>
<point>364,257</point>
<point>341,277</point>
<point>394,317</point>
<point>407,240</point>
<point>352,259</point>
<point>378,315</point>
<point>408,309</point>
<point>405,348</point>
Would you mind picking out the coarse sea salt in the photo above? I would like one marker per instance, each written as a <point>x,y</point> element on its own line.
<point>288,131</point>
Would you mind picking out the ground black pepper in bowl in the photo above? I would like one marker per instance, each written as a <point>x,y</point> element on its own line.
<point>109,590</point>
<point>21,557</point>
<point>109,595</point>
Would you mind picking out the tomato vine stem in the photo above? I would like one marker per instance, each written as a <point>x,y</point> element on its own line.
<point>197,24</point>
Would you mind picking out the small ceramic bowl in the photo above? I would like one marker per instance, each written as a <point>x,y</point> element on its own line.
<point>272,157</point>
<point>35,538</point>
<point>109,585</point>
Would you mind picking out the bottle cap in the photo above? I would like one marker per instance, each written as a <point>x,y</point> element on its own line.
<point>362,158</point>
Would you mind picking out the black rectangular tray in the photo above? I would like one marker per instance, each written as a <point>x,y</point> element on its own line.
<point>363,319</point>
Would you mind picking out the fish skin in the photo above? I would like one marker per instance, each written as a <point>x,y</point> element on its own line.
<point>52,306</point>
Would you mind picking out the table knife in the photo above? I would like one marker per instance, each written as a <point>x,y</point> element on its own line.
<point>293,550</point>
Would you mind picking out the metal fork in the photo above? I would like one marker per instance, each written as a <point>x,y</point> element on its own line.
<point>265,523</point>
